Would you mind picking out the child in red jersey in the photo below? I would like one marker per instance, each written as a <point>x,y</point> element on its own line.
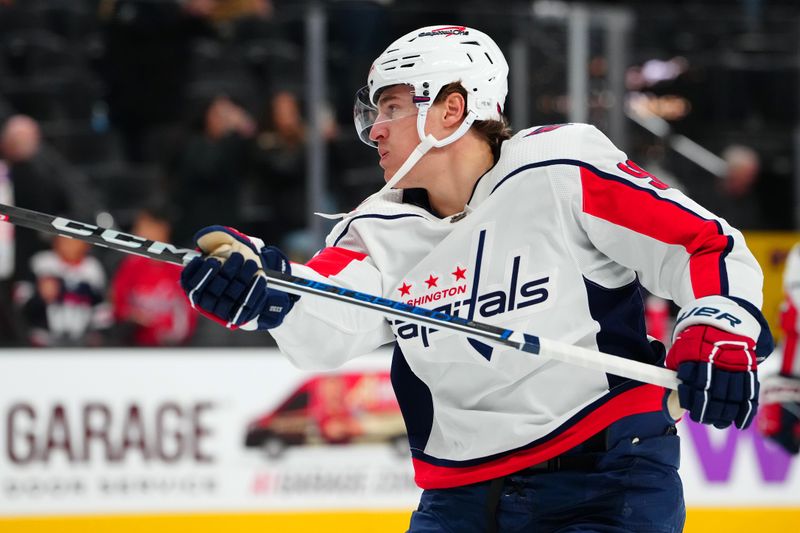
<point>148,303</point>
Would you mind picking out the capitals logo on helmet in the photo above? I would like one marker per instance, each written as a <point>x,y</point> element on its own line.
<point>447,30</point>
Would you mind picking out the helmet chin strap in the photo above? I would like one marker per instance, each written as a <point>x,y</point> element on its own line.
<point>426,143</point>
<point>422,148</point>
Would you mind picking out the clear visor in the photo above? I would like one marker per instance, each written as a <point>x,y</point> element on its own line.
<point>366,114</point>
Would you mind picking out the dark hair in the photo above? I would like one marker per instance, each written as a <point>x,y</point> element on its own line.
<point>158,209</point>
<point>493,131</point>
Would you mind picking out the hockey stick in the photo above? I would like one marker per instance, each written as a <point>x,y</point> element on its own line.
<point>525,342</point>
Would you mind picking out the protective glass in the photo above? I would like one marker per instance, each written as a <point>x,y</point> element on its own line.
<point>366,114</point>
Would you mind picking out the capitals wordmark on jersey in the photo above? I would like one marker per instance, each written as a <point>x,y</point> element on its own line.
<point>518,290</point>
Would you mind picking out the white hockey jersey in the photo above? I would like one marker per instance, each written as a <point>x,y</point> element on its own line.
<point>556,240</point>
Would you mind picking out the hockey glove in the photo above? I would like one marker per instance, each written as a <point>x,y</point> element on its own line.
<point>227,284</point>
<point>718,373</point>
<point>779,416</point>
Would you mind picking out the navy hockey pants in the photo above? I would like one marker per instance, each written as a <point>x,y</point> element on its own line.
<point>632,487</point>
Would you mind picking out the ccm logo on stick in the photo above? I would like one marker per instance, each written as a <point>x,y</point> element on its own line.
<point>118,238</point>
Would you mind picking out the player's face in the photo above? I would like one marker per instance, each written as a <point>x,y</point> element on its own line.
<point>395,129</point>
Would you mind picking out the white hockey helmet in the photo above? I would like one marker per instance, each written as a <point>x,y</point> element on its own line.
<point>429,58</point>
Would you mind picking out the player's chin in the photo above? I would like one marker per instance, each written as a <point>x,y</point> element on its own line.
<point>388,172</point>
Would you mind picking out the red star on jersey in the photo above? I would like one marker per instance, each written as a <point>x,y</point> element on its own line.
<point>431,281</point>
<point>460,273</point>
<point>405,290</point>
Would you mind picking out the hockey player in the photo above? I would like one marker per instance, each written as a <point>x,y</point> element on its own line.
<point>779,418</point>
<point>551,231</point>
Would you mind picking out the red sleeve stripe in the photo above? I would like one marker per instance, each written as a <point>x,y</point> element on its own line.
<point>618,201</point>
<point>332,260</point>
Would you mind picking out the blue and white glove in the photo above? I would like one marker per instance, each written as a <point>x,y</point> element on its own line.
<point>718,373</point>
<point>717,346</point>
<point>227,283</point>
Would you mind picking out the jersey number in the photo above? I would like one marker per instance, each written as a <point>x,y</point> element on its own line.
<point>632,169</point>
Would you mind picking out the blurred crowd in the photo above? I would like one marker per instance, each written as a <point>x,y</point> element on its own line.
<point>160,117</point>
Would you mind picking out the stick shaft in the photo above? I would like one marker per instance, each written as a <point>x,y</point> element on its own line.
<point>108,238</point>
<point>132,244</point>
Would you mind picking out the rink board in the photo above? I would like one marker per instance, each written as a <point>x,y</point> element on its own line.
<point>124,440</point>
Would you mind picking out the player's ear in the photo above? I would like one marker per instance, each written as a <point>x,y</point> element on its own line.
<point>454,109</point>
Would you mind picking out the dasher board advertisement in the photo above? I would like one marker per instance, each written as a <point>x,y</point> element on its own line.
<point>181,431</point>
<point>153,431</point>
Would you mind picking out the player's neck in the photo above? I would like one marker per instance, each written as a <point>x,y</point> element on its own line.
<point>457,169</point>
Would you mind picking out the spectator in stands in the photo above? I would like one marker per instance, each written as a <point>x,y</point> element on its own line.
<point>66,306</point>
<point>9,328</point>
<point>21,138</point>
<point>737,200</point>
<point>9,331</point>
<point>280,164</point>
<point>20,141</point>
<point>149,306</point>
<point>743,167</point>
<point>736,194</point>
<point>212,165</point>
<point>41,180</point>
